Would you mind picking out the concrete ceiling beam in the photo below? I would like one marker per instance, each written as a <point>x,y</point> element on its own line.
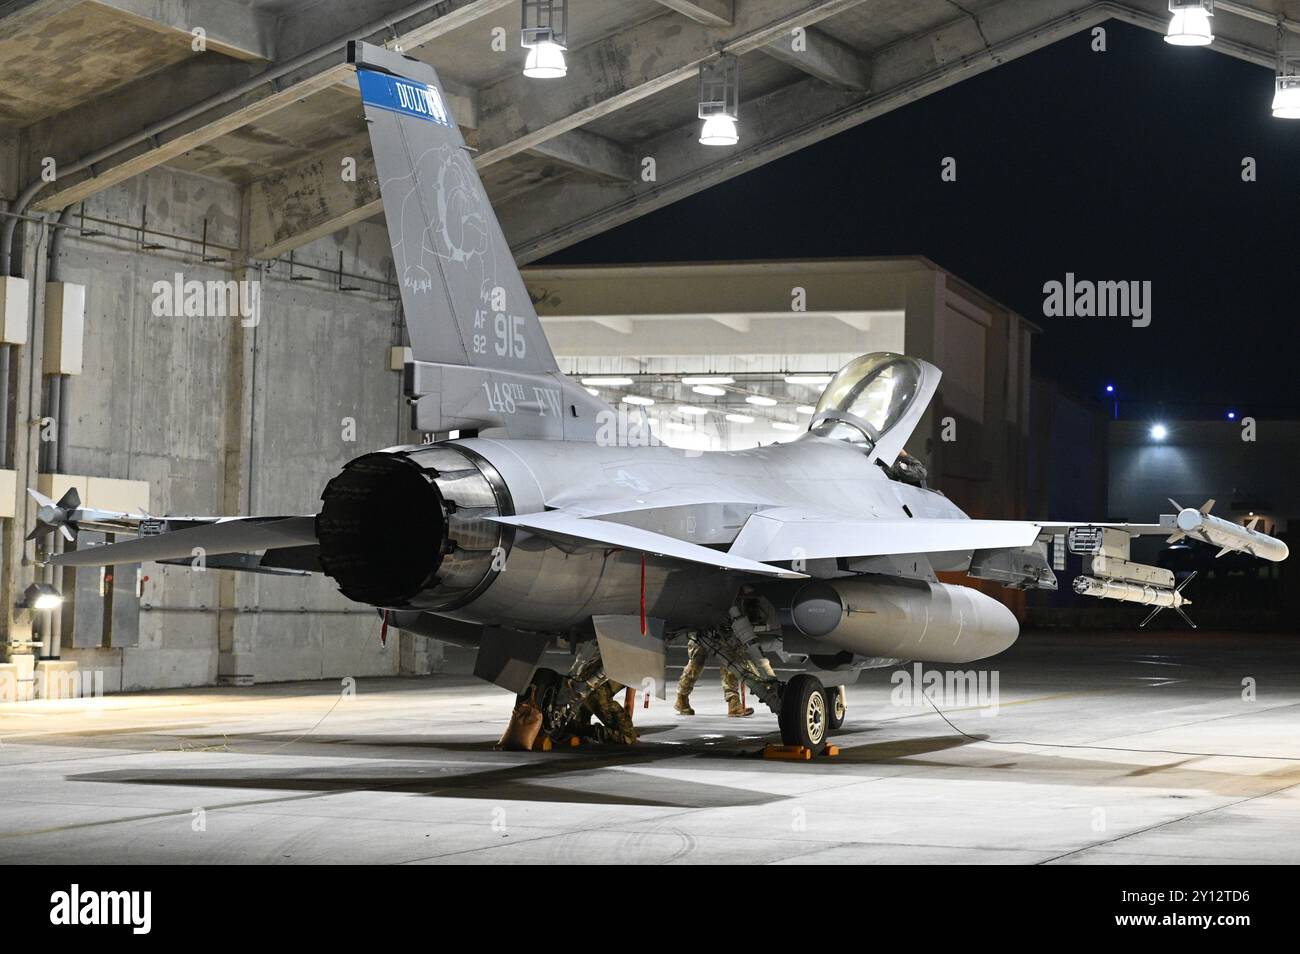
<point>709,12</point>
<point>820,55</point>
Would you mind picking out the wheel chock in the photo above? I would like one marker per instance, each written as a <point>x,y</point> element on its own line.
<point>796,753</point>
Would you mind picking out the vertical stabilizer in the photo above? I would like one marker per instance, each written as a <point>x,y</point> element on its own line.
<point>481,360</point>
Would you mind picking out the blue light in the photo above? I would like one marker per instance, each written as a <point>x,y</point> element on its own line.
<point>1232,415</point>
<point>1110,389</point>
<point>1159,432</point>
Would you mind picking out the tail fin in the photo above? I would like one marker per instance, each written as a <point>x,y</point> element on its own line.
<point>481,359</point>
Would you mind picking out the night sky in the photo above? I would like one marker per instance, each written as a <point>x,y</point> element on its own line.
<point>1123,165</point>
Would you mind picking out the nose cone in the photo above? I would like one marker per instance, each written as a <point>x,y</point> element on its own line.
<point>1188,519</point>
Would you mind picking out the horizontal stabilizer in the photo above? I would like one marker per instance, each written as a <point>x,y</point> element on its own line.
<point>235,535</point>
<point>561,525</point>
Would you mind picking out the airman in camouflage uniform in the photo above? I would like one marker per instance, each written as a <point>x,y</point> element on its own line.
<point>698,655</point>
<point>617,721</point>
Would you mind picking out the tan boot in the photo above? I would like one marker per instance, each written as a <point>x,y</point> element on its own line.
<point>683,705</point>
<point>735,710</point>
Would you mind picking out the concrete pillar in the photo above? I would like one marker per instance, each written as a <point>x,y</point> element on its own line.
<point>236,631</point>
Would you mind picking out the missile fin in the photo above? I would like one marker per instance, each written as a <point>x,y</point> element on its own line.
<point>1177,505</point>
<point>1207,506</point>
<point>1254,522</point>
<point>1175,537</point>
<point>1222,552</point>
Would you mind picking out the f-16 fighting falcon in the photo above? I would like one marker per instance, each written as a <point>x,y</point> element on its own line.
<point>552,519</point>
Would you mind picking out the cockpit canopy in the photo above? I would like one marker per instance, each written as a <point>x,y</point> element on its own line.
<point>867,397</point>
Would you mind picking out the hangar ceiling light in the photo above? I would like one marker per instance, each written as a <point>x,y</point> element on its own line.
<point>1189,23</point>
<point>811,380</point>
<point>607,382</point>
<point>544,33</point>
<point>709,379</point>
<point>1286,96</point>
<point>720,101</point>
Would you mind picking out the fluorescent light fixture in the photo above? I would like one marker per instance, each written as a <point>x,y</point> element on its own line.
<point>709,379</point>
<point>708,390</point>
<point>1159,432</point>
<point>759,400</point>
<point>806,409</point>
<point>1189,24</point>
<point>638,400</point>
<point>545,61</point>
<point>607,382</point>
<point>691,410</point>
<point>785,426</point>
<point>719,131</point>
<point>740,419</point>
<point>1286,99</point>
<point>679,426</point>
<point>593,392</point>
<point>811,380</point>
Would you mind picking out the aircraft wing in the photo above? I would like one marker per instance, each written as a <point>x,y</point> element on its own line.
<point>784,534</point>
<point>220,537</point>
<point>176,538</point>
<point>1132,529</point>
<point>561,525</point>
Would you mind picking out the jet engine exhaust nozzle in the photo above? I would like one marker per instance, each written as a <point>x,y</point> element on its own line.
<point>410,529</point>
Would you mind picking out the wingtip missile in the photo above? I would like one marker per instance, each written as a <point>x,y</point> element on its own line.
<point>1200,524</point>
<point>55,515</point>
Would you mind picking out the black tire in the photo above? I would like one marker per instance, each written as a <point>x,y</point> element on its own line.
<point>836,707</point>
<point>804,713</point>
<point>541,690</point>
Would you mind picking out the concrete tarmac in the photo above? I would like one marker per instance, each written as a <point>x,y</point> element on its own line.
<point>1169,747</point>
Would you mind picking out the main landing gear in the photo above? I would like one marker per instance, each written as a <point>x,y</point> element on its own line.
<point>558,707</point>
<point>805,713</point>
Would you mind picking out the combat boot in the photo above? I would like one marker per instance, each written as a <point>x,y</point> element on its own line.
<point>683,705</point>
<point>734,709</point>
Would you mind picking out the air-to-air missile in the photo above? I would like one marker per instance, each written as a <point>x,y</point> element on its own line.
<point>1228,536</point>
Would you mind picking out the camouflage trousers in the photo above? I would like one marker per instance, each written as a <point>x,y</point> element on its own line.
<point>617,721</point>
<point>697,655</point>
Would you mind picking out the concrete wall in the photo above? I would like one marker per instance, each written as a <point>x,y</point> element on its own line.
<point>155,402</point>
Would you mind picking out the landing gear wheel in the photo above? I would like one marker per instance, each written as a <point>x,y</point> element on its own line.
<point>805,714</point>
<point>837,706</point>
<point>541,691</point>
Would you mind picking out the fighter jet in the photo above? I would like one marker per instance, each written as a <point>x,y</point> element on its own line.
<point>553,519</point>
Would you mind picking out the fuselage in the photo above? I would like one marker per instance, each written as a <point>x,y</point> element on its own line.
<point>702,497</point>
